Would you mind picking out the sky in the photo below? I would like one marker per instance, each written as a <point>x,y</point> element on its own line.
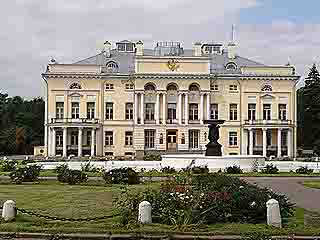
<point>34,31</point>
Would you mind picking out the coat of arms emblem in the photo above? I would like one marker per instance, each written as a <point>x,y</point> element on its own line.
<point>173,65</point>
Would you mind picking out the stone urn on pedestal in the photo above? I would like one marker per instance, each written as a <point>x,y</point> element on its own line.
<point>213,147</point>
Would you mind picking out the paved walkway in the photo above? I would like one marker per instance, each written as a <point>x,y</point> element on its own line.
<point>307,198</point>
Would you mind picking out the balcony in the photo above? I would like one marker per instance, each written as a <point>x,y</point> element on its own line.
<point>276,122</point>
<point>74,120</point>
<point>172,121</point>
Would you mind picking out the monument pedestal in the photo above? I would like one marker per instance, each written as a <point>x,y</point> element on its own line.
<point>213,149</point>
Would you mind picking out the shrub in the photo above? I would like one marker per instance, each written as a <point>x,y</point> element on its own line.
<point>304,170</point>
<point>88,167</point>
<point>200,170</point>
<point>233,170</point>
<point>8,165</point>
<point>66,175</point>
<point>207,199</point>
<point>152,157</point>
<point>270,169</point>
<point>121,176</point>
<point>25,162</point>
<point>168,170</point>
<point>28,173</point>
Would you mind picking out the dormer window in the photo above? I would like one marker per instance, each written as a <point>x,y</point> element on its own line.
<point>212,48</point>
<point>75,86</point>
<point>125,46</point>
<point>231,66</point>
<point>112,66</point>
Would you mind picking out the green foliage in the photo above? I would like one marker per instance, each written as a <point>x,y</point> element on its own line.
<point>304,170</point>
<point>66,175</point>
<point>8,165</point>
<point>270,169</point>
<point>152,157</point>
<point>121,176</point>
<point>200,170</point>
<point>207,199</point>
<point>233,170</point>
<point>168,170</point>
<point>28,173</point>
<point>88,167</point>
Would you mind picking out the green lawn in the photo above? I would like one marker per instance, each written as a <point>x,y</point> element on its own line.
<point>95,199</point>
<point>312,184</point>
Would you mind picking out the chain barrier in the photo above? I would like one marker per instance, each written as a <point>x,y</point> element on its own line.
<point>39,215</point>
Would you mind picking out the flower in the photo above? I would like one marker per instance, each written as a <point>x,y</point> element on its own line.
<point>241,187</point>
<point>253,204</point>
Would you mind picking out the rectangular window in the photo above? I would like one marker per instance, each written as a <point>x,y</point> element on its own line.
<point>194,139</point>
<point>109,86</point>
<point>282,111</point>
<point>251,111</point>
<point>59,110</point>
<point>90,110</point>
<point>193,111</point>
<point>129,138</point>
<point>284,138</point>
<point>266,111</point>
<point>59,138</point>
<point>233,112</point>
<point>74,138</point>
<point>149,115</point>
<point>88,138</point>
<point>108,154</point>
<point>233,139</point>
<point>172,112</point>
<point>149,138</point>
<point>109,111</point>
<point>75,110</point>
<point>214,87</point>
<point>129,86</point>
<point>121,47</point>
<point>108,139</point>
<point>269,137</point>
<point>233,87</point>
<point>129,111</point>
<point>214,111</point>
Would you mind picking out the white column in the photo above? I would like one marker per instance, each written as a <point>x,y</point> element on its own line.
<point>136,108</point>
<point>93,136</point>
<point>180,109</point>
<point>201,108</point>
<point>164,108</point>
<point>53,142</point>
<point>186,109</point>
<point>208,106</point>
<point>142,108</point>
<point>157,110</point>
<point>289,142</point>
<point>49,153</point>
<point>264,142</point>
<point>64,152</point>
<point>80,142</point>
<point>279,142</point>
<point>250,141</point>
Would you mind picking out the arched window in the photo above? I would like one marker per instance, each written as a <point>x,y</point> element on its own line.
<point>231,66</point>
<point>75,86</point>
<point>149,87</point>
<point>172,87</point>
<point>112,66</point>
<point>193,87</point>
<point>266,88</point>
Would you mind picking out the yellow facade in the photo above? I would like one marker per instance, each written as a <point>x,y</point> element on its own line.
<point>127,104</point>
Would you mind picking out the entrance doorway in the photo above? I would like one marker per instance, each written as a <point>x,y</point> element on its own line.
<point>172,140</point>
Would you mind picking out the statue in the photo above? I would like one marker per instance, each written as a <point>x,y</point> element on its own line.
<point>213,147</point>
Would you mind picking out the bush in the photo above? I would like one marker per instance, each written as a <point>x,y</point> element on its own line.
<point>233,170</point>
<point>66,175</point>
<point>28,173</point>
<point>152,157</point>
<point>25,162</point>
<point>88,167</point>
<point>169,170</point>
<point>200,170</point>
<point>8,165</point>
<point>121,176</point>
<point>207,199</point>
<point>304,170</point>
<point>270,169</point>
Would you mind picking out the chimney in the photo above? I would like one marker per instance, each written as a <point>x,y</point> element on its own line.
<point>197,52</point>
<point>139,48</point>
<point>107,49</point>
<point>232,50</point>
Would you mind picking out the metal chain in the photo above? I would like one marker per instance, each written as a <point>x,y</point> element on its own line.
<point>25,211</point>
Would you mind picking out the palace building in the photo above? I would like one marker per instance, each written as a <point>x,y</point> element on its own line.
<point>128,101</point>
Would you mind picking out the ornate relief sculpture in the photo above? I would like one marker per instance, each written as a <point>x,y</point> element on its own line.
<point>173,65</point>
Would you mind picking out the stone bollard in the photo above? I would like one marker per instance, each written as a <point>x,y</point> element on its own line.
<point>9,210</point>
<point>273,213</point>
<point>145,213</point>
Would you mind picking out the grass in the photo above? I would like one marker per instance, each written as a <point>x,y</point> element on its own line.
<point>95,199</point>
<point>312,184</point>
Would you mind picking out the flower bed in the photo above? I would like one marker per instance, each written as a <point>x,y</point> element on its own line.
<point>203,199</point>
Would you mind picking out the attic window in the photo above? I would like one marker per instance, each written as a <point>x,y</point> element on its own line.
<point>112,66</point>
<point>125,46</point>
<point>231,66</point>
<point>75,86</point>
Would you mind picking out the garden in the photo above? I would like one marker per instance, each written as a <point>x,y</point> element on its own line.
<point>195,201</point>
